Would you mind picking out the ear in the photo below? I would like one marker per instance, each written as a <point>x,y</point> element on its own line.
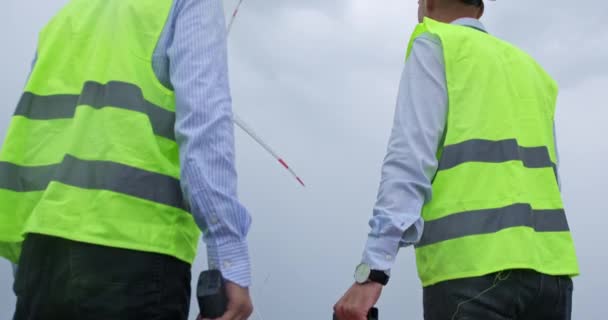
<point>481,10</point>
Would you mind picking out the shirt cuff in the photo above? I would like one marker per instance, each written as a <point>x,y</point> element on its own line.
<point>380,253</point>
<point>232,259</point>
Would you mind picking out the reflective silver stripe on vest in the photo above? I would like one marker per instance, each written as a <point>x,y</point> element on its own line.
<point>491,221</point>
<point>98,175</point>
<point>114,94</point>
<point>22,179</point>
<point>495,152</point>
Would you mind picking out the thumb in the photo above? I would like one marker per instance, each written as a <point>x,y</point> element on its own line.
<point>229,315</point>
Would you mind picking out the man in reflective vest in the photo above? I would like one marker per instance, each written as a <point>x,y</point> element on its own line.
<point>120,152</point>
<point>470,179</point>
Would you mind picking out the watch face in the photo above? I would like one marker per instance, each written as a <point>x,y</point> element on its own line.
<point>362,273</point>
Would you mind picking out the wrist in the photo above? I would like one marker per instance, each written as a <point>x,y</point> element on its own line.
<point>232,259</point>
<point>365,274</point>
<point>380,253</point>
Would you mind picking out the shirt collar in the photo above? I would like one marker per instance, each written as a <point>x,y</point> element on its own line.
<point>470,22</point>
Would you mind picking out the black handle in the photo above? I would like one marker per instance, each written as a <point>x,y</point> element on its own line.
<point>371,315</point>
<point>211,294</point>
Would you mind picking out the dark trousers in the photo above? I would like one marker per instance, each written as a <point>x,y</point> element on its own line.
<point>62,279</point>
<point>508,295</point>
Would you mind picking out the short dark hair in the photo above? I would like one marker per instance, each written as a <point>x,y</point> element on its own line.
<point>477,3</point>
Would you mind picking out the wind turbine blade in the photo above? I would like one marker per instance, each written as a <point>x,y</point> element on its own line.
<point>239,122</point>
<point>234,14</point>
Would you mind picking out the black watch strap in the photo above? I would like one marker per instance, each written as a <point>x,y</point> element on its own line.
<point>379,277</point>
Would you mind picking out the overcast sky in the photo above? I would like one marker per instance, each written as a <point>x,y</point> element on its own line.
<point>318,80</point>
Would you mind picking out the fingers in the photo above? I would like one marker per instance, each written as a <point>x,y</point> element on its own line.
<point>357,301</point>
<point>240,312</point>
<point>239,303</point>
<point>348,311</point>
<point>229,315</point>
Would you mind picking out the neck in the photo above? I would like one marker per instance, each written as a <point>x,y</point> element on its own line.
<point>450,11</point>
<point>450,17</point>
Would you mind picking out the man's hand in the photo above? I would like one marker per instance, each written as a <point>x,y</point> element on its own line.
<point>357,301</point>
<point>239,303</point>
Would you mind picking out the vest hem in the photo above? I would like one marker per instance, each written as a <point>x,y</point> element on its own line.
<point>113,244</point>
<point>472,274</point>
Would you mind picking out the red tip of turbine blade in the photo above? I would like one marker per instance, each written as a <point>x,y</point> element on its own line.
<point>284,164</point>
<point>301,182</point>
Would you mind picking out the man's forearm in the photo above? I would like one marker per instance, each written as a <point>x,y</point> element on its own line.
<point>411,161</point>
<point>226,224</point>
<point>233,260</point>
<point>205,135</point>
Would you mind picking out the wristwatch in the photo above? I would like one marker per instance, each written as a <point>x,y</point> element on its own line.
<point>364,273</point>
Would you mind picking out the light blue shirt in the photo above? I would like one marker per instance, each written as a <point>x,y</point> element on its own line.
<point>411,163</point>
<point>191,58</point>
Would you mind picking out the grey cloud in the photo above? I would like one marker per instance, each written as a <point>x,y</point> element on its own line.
<point>569,38</point>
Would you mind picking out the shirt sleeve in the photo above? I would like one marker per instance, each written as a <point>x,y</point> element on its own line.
<point>205,135</point>
<point>411,162</point>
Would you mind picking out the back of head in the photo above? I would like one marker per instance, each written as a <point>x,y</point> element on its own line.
<point>450,10</point>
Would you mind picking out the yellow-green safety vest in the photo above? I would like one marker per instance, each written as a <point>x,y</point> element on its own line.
<point>496,202</point>
<point>90,154</point>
